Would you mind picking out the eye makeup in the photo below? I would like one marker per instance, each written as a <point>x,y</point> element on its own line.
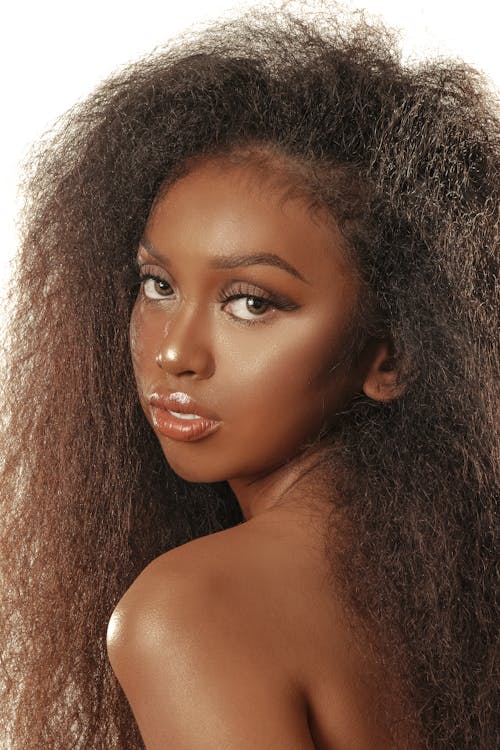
<point>243,289</point>
<point>156,288</point>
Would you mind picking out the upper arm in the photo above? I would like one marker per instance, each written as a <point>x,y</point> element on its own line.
<point>198,676</point>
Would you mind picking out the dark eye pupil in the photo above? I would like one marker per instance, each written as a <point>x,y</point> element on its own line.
<point>254,304</point>
<point>161,286</point>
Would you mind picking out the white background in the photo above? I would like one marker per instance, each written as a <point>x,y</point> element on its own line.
<point>53,53</point>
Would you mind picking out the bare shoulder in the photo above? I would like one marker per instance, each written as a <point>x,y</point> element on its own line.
<point>240,571</point>
<point>240,634</point>
<point>230,581</point>
<point>194,661</point>
<point>172,588</point>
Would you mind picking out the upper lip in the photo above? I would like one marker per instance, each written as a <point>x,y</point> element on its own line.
<point>180,402</point>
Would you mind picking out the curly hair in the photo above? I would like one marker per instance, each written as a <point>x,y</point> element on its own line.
<point>406,160</point>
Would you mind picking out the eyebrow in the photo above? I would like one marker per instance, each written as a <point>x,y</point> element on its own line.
<point>235,261</point>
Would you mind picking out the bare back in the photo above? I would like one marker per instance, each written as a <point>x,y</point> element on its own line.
<point>273,581</point>
<point>280,579</point>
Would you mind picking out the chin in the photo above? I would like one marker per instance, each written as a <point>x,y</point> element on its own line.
<point>192,470</point>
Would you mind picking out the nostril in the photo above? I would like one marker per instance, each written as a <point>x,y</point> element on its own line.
<point>166,363</point>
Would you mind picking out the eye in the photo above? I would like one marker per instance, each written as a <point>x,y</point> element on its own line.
<point>154,287</point>
<point>247,306</point>
<point>248,303</point>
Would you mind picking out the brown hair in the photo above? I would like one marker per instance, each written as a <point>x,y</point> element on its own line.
<point>87,496</point>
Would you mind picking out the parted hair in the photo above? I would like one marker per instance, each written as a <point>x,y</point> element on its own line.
<point>405,159</point>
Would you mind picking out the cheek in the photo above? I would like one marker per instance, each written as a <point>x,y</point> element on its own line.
<point>289,374</point>
<point>142,338</point>
<point>135,338</point>
<point>275,400</point>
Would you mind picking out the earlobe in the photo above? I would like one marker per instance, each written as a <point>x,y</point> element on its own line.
<point>381,378</point>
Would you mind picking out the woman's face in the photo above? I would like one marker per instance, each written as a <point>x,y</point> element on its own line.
<point>267,373</point>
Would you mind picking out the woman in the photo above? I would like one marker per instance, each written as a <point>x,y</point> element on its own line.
<point>251,404</point>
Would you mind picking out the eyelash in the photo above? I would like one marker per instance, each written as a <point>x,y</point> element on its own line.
<point>241,291</point>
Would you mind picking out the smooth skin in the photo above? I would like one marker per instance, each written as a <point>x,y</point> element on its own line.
<point>235,640</point>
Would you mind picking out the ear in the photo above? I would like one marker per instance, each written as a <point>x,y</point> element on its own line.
<point>381,376</point>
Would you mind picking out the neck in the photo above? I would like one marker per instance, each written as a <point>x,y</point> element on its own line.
<point>299,486</point>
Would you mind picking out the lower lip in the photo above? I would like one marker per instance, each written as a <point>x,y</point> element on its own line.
<point>182,429</point>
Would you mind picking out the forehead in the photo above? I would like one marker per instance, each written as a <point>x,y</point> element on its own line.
<point>223,209</point>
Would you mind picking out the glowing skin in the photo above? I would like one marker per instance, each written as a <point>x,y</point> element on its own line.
<point>265,380</point>
<point>273,379</point>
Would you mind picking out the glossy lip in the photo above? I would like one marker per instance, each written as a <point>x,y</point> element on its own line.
<point>176,428</point>
<point>180,402</point>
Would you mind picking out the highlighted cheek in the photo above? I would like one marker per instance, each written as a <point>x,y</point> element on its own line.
<point>134,342</point>
<point>134,351</point>
<point>136,338</point>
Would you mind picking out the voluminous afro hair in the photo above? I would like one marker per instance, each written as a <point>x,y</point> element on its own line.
<point>405,159</point>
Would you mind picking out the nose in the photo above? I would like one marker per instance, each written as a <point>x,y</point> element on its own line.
<point>185,347</point>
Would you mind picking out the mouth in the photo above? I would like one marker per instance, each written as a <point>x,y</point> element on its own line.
<point>184,416</point>
<point>177,416</point>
